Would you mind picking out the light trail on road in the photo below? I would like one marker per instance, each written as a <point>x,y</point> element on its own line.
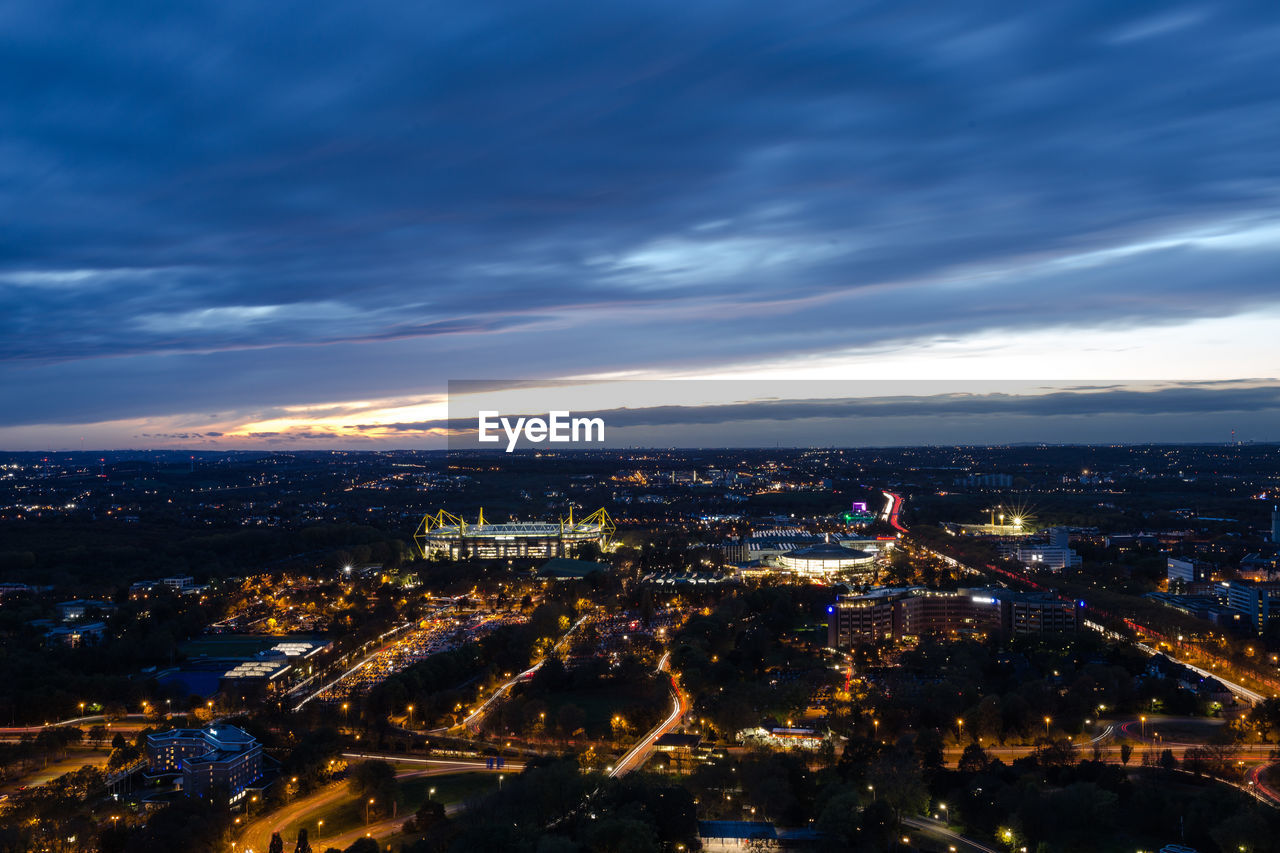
<point>477,716</point>
<point>636,756</point>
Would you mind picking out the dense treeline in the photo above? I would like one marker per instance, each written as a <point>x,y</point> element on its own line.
<point>1048,803</point>
<point>1005,692</point>
<point>743,660</point>
<point>45,682</point>
<point>102,555</point>
<point>594,700</point>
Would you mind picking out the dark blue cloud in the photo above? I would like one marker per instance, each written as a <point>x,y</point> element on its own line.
<point>234,204</point>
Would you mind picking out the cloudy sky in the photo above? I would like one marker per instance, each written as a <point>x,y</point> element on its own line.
<point>290,224</point>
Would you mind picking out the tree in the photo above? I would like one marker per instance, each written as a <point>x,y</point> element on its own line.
<point>191,825</point>
<point>277,844</point>
<point>570,720</point>
<point>929,749</point>
<point>622,835</point>
<point>1056,753</point>
<point>429,814</point>
<point>1126,752</point>
<point>878,824</point>
<point>363,845</point>
<point>1243,831</point>
<point>97,734</point>
<point>375,780</point>
<point>897,781</point>
<point>974,759</point>
<point>987,719</point>
<point>1266,716</point>
<point>838,821</point>
<point>1167,760</point>
<point>303,846</point>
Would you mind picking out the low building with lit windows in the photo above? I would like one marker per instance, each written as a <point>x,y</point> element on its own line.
<point>219,757</point>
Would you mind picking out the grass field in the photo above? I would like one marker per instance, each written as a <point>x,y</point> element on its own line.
<point>349,814</point>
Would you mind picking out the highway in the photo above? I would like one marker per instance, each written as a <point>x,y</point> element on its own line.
<point>639,753</point>
<point>891,511</point>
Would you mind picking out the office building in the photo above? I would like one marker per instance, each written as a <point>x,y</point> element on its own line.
<point>907,614</point>
<point>223,758</point>
<point>1187,570</point>
<point>1258,602</point>
<point>1052,555</point>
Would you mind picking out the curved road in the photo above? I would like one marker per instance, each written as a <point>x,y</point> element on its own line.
<point>639,753</point>
<point>892,509</point>
<point>256,835</point>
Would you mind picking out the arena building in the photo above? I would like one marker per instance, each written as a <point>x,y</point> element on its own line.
<point>447,535</point>
<point>824,560</point>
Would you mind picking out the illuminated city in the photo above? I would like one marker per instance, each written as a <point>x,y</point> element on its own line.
<point>639,427</point>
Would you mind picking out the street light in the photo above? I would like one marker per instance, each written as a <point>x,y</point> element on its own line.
<point>1144,727</point>
<point>1046,726</point>
<point>946,817</point>
<point>367,806</point>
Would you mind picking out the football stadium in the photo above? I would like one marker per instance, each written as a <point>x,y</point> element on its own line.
<point>446,535</point>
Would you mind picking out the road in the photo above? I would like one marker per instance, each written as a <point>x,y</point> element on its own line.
<point>378,831</point>
<point>76,758</point>
<point>476,717</point>
<point>1260,788</point>
<point>385,644</point>
<point>130,722</point>
<point>891,510</point>
<point>940,832</point>
<point>256,836</point>
<point>639,753</point>
<point>1112,753</point>
<point>1238,690</point>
